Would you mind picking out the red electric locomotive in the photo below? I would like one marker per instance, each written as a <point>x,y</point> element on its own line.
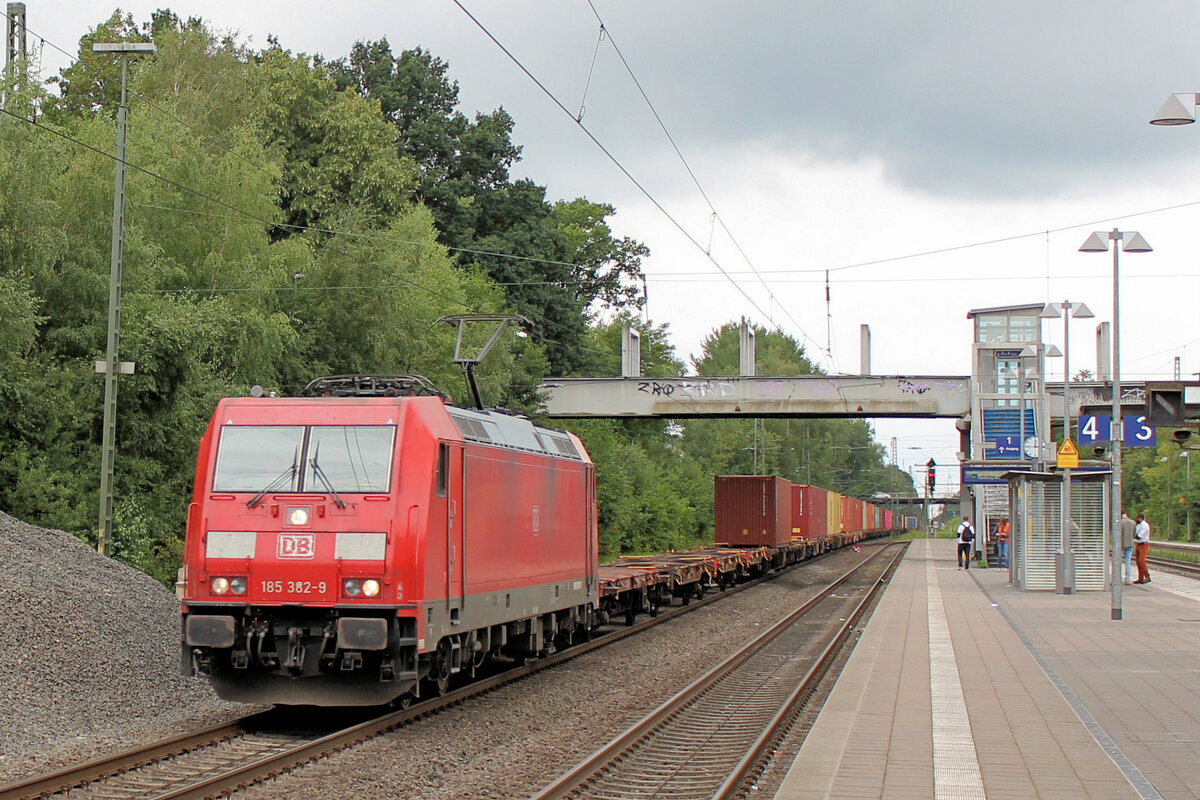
<point>358,550</point>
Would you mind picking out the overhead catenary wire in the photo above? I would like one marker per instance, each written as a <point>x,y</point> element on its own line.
<point>794,270</point>
<point>656,278</point>
<point>715,216</point>
<point>616,162</point>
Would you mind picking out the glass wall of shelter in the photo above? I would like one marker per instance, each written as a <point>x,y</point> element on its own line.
<point>1035,499</point>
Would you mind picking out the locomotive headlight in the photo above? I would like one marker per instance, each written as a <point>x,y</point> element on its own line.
<point>370,588</point>
<point>352,587</point>
<point>237,585</point>
<point>219,585</point>
<point>297,515</point>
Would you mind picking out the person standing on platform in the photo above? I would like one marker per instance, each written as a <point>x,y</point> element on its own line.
<point>1141,541</point>
<point>1127,529</point>
<point>966,535</point>
<point>1002,544</point>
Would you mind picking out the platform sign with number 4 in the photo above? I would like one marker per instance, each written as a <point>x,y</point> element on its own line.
<point>1095,428</point>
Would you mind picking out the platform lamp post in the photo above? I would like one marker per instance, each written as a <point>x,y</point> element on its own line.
<point>1066,573</point>
<point>1188,494</point>
<point>110,366</point>
<point>1130,242</point>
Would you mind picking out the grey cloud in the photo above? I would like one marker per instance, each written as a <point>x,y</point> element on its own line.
<point>1013,98</point>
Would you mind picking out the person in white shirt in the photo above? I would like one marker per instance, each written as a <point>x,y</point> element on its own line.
<point>966,535</point>
<point>1141,544</point>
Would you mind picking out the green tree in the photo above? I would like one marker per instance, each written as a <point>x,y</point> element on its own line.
<point>606,270</point>
<point>93,81</point>
<point>554,260</point>
<point>457,159</point>
<point>337,150</point>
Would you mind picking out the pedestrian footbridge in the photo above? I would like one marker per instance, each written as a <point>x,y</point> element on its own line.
<point>799,396</point>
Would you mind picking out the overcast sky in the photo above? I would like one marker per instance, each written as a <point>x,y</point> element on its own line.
<point>828,135</point>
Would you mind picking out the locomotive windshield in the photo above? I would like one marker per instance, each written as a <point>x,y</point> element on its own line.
<point>353,458</point>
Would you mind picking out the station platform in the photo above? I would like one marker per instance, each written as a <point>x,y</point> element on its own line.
<point>962,686</point>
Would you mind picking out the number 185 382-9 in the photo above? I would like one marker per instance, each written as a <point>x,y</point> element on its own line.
<point>294,587</point>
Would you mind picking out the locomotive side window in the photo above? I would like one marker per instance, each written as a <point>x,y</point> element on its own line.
<point>355,458</point>
<point>250,457</point>
<point>443,465</point>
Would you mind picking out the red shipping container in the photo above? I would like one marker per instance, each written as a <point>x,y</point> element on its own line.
<point>810,512</point>
<point>752,510</point>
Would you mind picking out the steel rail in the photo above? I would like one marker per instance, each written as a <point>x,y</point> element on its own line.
<point>69,778</point>
<point>1186,568</point>
<point>618,749</point>
<point>63,780</point>
<point>1178,547</point>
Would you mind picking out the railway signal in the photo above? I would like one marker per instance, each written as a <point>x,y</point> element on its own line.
<point>931,475</point>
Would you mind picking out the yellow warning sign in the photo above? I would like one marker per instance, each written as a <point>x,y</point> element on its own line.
<point>1068,455</point>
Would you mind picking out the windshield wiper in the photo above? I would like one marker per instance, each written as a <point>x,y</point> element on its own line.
<point>290,472</point>
<point>324,479</point>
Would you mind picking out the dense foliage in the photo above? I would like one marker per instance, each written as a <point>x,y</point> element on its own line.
<point>1160,483</point>
<point>288,217</point>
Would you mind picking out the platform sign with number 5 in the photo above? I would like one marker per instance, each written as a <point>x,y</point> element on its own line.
<point>1095,428</point>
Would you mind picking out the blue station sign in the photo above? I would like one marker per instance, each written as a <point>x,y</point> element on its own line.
<point>1135,432</point>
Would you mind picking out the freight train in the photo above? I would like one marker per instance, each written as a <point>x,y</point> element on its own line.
<point>363,546</point>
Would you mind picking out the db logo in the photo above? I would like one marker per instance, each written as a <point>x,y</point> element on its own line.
<point>297,545</point>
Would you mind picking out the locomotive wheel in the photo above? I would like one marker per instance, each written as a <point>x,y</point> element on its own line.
<point>565,638</point>
<point>403,701</point>
<point>439,672</point>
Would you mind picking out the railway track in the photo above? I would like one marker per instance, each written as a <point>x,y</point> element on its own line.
<point>709,739</point>
<point>221,759</point>
<point>1173,565</point>
<point>1179,547</point>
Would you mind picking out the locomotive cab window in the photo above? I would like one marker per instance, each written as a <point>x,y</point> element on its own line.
<point>298,458</point>
<point>355,458</point>
<point>250,457</point>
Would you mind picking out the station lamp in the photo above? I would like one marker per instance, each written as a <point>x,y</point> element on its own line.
<point>1174,112</point>
<point>1130,242</point>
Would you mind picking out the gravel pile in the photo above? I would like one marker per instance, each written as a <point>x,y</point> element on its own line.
<point>89,655</point>
<point>511,742</point>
